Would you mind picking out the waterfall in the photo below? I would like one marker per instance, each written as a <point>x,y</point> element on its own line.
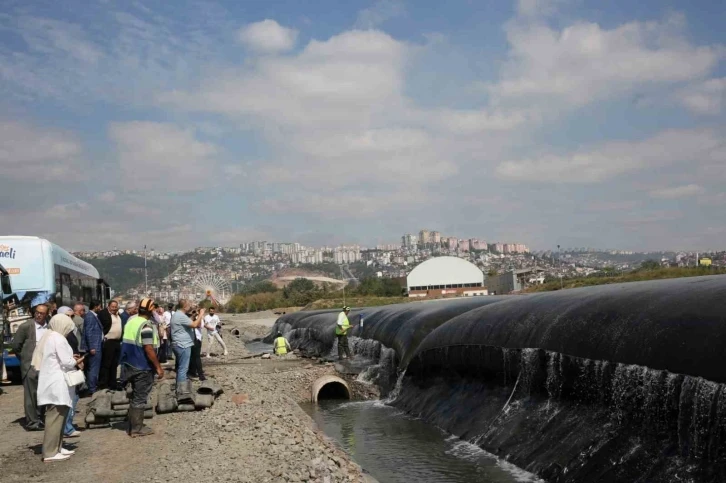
<point>623,382</point>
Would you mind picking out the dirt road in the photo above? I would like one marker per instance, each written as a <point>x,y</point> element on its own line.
<point>255,432</point>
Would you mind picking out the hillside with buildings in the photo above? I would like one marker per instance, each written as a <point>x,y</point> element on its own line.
<point>508,267</point>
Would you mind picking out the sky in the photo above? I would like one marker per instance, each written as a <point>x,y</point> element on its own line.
<point>190,123</point>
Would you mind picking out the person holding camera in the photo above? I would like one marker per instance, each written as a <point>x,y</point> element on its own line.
<point>183,322</point>
<point>195,364</point>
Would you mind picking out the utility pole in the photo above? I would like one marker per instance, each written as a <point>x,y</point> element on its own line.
<point>559,257</point>
<point>146,275</point>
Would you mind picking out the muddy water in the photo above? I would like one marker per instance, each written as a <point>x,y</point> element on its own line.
<point>394,447</point>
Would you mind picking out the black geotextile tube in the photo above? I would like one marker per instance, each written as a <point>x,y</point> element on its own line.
<point>678,325</point>
<point>400,327</point>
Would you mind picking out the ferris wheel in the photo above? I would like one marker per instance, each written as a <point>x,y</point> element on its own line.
<point>213,287</point>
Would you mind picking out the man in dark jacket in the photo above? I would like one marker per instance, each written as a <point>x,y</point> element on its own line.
<point>28,335</point>
<point>92,343</point>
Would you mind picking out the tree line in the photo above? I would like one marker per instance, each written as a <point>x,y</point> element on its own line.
<point>266,295</point>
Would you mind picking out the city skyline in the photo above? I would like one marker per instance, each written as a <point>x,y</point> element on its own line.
<point>211,122</point>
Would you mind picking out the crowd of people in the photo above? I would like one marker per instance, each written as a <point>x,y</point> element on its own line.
<point>71,352</point>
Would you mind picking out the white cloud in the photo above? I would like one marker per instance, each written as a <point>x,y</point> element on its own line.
<point>267,36</point>
<point>150,153</point>
<point>677,192</point>
<point>107,197</point>
<point>707,97</point>
<point>344,118</point>
<point>344,79</point>
<point>584,62</point>
<point>537,8</point>
<point>351,205</point>
<point>50,36</point>
<point>617,157</point>
<point>32,152</point>
<point>378,13</point>
<point>67,211</point>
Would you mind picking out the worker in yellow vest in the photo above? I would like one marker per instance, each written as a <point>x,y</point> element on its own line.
<point>341,332</point>
<point>281,346</point>
<point>138,355</point>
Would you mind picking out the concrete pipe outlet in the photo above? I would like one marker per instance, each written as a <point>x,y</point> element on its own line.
<point>329,387</point>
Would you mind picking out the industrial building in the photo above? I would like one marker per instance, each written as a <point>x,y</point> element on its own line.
<point>514,280</point>
<point>445,276</point>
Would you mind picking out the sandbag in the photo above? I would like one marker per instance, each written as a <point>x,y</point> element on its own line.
<point>186,407</point>
<point>203,401</point>
<point>110,413</point>
<point>95,419</point>
<point>125,407</point>
<point>166,404</point>
<point>184,393</point>
<point>210,387</point>
<point>100,400</point>
<point>167,387</point>
<point>119,397</point>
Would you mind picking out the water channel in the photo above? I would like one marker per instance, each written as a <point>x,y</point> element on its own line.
<point>394,447</point>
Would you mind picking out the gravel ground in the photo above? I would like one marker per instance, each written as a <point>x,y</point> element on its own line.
<point>255,432</point>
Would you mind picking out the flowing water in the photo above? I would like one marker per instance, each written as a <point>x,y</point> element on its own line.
<point>394,447</point>
<point>258,346</point>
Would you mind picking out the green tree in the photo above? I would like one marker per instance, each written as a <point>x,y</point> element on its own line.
<point>264,286</point>
<point>300,291</point>
<point>650,265</point>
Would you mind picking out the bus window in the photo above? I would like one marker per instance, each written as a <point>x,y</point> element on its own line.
<point>65,287</point>
<point>87,294</point>
<point>7,289</point>
<point>76,288</point>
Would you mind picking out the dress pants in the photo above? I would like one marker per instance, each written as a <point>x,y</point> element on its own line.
<point>195,364</point>
<point>163,351</point>
<point>93,369</point>
<point>55,420</point>
<point>33,414</point>
<point>109,364</point>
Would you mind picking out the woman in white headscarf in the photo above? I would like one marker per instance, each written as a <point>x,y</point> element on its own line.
<point>53,357</point>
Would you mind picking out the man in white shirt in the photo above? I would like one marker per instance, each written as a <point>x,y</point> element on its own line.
<point>113,330</point>
<point>167,324</point>
<point>195,363</point>
<point>211,321</point>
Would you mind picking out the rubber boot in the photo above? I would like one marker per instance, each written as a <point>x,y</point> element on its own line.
<point>136,423</point>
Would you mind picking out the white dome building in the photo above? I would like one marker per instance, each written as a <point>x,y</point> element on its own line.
<point>445,276</point>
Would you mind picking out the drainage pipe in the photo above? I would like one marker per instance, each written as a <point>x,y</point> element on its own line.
<point>331,387</point>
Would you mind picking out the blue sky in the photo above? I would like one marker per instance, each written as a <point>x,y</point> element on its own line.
<point>546,122</point>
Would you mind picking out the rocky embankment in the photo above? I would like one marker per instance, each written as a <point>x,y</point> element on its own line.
<point>255,432</point>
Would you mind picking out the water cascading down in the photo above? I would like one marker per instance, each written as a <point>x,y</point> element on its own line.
<point>614,383</point>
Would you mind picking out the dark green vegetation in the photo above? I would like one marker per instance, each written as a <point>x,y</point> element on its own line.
<point>357,301</point>
<point>648,271</point>
<point>328,269</point>
<point>303,292</point>
<point>124,272</point>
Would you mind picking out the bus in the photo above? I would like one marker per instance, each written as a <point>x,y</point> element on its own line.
<point>42,271</point>
<point>6,290</point>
